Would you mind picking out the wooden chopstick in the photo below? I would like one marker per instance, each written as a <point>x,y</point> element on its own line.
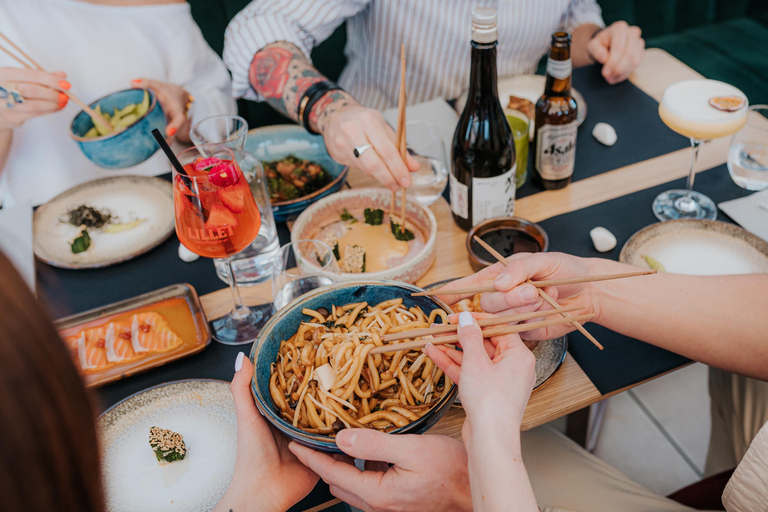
<point>484,322</point>
<point>487,333</point>
<point>32,64</point>
<point>323,506</point>
<point>537,284</point>
<point>544,295</point>
<point>401,145</point>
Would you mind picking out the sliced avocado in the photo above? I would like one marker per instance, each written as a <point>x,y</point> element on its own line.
<point>91,133</point>
<point>126,121</point>
<point>142,107</point>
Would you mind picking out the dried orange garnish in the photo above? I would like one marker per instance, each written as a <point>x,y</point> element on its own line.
<point>728,103</point>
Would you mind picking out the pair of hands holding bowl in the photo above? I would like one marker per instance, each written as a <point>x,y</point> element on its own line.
<point>43,94</point>
<point>410,472</point>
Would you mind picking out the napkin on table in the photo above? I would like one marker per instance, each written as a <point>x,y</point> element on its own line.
<point>437,112</point>
<point>750,212</point>
<point>16,239</point>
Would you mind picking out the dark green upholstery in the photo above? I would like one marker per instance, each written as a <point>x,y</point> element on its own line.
<point>721,39</point>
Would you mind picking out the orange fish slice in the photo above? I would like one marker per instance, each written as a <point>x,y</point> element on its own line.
<point>727,103</point>
<point>150,333</point>
<point>92,354</point>
<point>118,342</point>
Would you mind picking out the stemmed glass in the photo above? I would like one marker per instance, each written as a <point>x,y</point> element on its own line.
<point>217,217</point>
<point>254,264</point>
<point>300,267</point>
<point>429,181</point>
<point>686,108</point>
<point>748,157</point>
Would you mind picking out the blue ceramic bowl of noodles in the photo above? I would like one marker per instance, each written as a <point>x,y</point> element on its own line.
<point>126,148</point>
<point>271,143</point>
<point>286,322</point>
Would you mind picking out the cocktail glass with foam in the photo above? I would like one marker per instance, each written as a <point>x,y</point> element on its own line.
<point>686,109</point>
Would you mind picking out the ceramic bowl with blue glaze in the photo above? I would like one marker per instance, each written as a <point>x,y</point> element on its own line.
<point>129,147</point>
<point>276,142</point>
<point>286,322</point>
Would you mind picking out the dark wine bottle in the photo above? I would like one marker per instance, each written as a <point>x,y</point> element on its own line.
<point>556,113</point>
<point>483,163</point>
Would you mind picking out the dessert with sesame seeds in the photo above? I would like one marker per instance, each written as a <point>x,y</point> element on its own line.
<point>168,445</point>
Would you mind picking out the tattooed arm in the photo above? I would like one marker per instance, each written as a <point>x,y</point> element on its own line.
<point>282,74</point>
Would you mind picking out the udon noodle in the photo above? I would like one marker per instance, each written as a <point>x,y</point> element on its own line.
<point>325,378</point>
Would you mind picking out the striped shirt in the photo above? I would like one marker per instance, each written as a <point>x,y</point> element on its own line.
<point>436,34</point>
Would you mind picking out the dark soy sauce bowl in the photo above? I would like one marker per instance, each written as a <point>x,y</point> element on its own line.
<point>523,236</point>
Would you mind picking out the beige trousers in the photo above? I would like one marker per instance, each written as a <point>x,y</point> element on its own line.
<point>739,410</point>
<point>567,477</point>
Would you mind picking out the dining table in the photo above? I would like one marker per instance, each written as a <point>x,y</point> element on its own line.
<point>615,197</point>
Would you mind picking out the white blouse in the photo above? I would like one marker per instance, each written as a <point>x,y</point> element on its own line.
<point>101,48</point>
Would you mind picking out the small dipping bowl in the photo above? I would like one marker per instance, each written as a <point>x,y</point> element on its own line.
<point>129,147</point>
<point>508,235</point>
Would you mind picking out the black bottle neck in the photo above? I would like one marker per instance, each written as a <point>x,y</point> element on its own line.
<point>482,76</point>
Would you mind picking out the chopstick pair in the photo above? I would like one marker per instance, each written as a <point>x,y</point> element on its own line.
<point>401,144</point>
<point>500,330</point>
<point>30,63</point>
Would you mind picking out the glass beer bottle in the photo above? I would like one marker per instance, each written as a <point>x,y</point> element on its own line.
<point>483,152</point>
<point>556,112</point>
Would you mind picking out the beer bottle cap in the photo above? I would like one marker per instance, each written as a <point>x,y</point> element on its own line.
<point>484,20</point>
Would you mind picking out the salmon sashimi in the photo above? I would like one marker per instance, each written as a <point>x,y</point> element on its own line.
<point>71,344</point>
<point>150,333</point>
<point>92,353</point>
<point>118,342</point>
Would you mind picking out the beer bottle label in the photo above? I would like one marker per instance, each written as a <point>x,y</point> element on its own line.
<point>556,150</point>
<point>459,198</point>
<point>493,197</point>
<point>560,69</point>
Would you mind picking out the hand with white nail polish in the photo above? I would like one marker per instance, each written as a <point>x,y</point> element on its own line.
<point>267,478</point>
<point>494,390</point>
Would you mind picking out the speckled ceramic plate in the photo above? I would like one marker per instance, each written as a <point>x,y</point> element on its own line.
<point>326,211</point>
<point>550,354</point>
<point>200,410</point>
<point>128,198</point>
<point>698,247</point>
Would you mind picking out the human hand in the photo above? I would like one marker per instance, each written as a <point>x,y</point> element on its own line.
<point>619,48</point>
<point>42,93</point>
<point>267,478</point>
<point>427,473</point>
<point>352,126</point>
<point>514,296</point>
<point>174,100</point>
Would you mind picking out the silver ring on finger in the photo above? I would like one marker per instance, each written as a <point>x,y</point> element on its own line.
<point>11,95</point>
<point>359,150</point>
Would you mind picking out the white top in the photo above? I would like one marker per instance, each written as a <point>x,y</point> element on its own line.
<point>436,34</point>
<point>101,48</point>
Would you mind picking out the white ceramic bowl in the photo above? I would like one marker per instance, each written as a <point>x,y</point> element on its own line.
<point>326,211</point>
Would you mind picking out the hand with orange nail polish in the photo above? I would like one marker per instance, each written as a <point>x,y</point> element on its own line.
<point>174,100</point>
<point>42,93</point>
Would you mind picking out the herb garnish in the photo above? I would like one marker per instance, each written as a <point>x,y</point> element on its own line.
<point>374,217</point>
<point>81,243</point>
<point>345,215</point>
<point>401,232</point>
<point>88,216</point>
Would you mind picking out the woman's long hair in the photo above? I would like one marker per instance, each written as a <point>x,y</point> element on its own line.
<point>49,458</point>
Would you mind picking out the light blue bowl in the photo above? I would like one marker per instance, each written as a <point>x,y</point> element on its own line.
<point>276,142</point>
<point>285,323</point>
<point>129,147</point>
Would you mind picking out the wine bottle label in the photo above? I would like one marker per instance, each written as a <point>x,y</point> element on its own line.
<point>493,197</point>
<point>459,198</point>
<point>559,69</point>
<point>556,150</point>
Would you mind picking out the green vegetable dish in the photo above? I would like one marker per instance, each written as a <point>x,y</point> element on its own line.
<point>119,119</point>
<point>291,178</point>
<point>168,445</point>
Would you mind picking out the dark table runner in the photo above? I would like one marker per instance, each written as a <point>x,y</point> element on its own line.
<point>625,361</point>
<point>632,113</point>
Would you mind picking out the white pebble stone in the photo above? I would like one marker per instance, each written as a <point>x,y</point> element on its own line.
<point>603,239</point>
<point>186,255</point>
<point>605,134</point>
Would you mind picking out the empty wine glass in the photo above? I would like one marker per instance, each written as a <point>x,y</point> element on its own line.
<point>428,183</point>
<point>748,157</point>
<point>300,267</point>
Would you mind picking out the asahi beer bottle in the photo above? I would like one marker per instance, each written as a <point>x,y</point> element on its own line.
<point>556,111</point>
<point>483,153</point>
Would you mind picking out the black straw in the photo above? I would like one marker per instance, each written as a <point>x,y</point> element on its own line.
<point>168,152</point>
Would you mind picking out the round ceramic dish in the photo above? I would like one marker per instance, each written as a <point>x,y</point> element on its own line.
<point>531,229</point>
<point>203,412</point>
<point>697,247</point>
<point>127,197</point>
<point>550,354</point>
<point>275,142</point>
<point>327,211</point>
<point>285,323</point>
<point>129,147</point>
